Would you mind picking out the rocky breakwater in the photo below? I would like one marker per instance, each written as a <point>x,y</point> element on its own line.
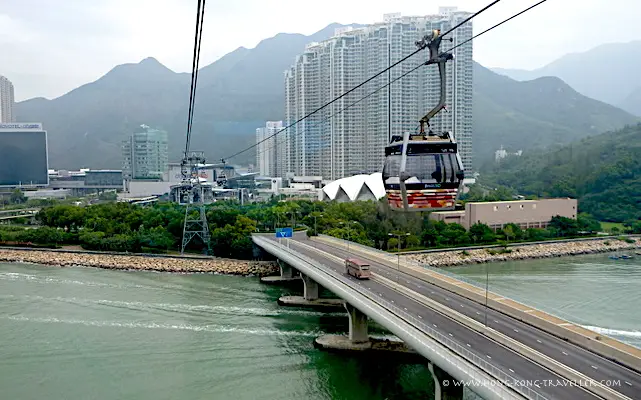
<point>137,262</point>
<point>558,249</point>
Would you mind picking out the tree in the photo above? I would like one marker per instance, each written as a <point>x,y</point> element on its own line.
<point>481,233</point>
<point>17,197</point>
<point>515,231</point>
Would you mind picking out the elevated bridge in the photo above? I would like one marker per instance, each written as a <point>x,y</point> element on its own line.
<point>509,358</point>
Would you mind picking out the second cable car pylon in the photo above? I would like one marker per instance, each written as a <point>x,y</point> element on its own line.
<point>424,172</point>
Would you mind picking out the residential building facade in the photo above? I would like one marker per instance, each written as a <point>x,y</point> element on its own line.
<point>348,137</point>
<point>145,154</point>
<point>7,101</point>
<point>266,152</point>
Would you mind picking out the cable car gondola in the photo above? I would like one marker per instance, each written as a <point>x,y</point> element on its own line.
<point>424,172</point>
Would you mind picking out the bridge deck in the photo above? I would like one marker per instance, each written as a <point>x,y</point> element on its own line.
<point>484,349</point>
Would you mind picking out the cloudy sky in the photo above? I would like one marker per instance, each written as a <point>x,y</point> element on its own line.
<point>50,47</point>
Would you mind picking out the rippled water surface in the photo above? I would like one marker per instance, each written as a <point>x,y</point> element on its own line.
<point>81,333</point>
<point>592,290</point>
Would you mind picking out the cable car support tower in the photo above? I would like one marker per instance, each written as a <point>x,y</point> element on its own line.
<point>192,194</point>
<point>191,190</point>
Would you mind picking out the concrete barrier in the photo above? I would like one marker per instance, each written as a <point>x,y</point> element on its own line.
<point>604,346</point>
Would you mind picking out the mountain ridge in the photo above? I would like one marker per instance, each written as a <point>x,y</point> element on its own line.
<point>243,89</point>
<point>607,72</point>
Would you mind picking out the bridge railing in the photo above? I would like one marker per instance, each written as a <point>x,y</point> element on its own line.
<point>517,384</point>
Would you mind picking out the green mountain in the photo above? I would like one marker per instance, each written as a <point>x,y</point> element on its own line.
<point>534,114</point>
<point>602,171</point>
<point>632,102</point>
<point>236,95</point>
<point>240,91</point>
<point>609,72</point>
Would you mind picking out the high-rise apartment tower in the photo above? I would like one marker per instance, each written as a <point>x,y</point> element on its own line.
<point>145,154</point>
<point>6,101</point>
<point>266,159</point>
<point>334,143</point>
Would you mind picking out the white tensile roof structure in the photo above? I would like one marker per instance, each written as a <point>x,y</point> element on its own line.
<point>355,188</point>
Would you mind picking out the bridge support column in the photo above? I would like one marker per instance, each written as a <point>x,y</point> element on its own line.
<point>357,325</point>
<point>286,272</point>
<point>310,288</point>
<point>444,387</point>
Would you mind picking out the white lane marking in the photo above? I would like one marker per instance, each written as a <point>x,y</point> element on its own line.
<point>447,299</point>
<point>564,353</point>
<point>512,371</point>
<point>420,317</point>
<point>488,356</point>
<point>538,341</point>
<point>594,367</point>
<point>462,306</point>
<point>435,326</point>
<point>468,345</point>
<point>496,321</point>
<point>628,383</point>
<point>450,334</point>
<point>516,330</point>
<point>405,308</point>
<point>408,281</point>
<point>478,313</point>
<point>431,291</point>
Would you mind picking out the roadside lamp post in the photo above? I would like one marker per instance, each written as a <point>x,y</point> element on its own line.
<point>349,232</point>
<point>398,253</point>
<point>315,225</point>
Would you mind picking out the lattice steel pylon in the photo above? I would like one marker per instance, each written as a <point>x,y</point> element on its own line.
<point>192,195</point>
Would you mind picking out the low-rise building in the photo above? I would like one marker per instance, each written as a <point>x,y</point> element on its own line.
<point>524,213</point>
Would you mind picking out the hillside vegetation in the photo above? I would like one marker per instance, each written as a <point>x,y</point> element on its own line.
<point>603,172</point>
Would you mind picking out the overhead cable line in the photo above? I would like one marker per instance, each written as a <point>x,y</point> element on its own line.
<point>406,73</point>
<point>360,84</point>
<point>200,13</point>
<point>495,26</point>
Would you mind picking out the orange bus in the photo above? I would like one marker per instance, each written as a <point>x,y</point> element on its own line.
<point>357,268</point>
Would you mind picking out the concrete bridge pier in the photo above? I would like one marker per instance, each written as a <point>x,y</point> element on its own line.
<point>310,288</point>
<point>444,384</point>
<point>310,297</point>
<point>357,325</point>
<point>358,340</point>
<point>286,274</point>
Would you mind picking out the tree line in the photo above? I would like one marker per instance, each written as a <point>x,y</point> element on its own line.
<point>123,227</point>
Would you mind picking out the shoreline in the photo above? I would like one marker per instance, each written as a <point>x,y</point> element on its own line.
<point>543,250</point>
<point>140,262</point>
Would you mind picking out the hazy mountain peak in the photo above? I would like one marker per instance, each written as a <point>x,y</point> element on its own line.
<point>608,72</point>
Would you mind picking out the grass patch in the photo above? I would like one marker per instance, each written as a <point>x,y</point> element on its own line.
<point>607,226</point>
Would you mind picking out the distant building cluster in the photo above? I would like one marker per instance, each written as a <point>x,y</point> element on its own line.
<point>7,101</point>
<point>338,142</point>
<point>502,153</point>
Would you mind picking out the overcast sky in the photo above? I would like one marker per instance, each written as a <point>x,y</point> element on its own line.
<point>51,47</point>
